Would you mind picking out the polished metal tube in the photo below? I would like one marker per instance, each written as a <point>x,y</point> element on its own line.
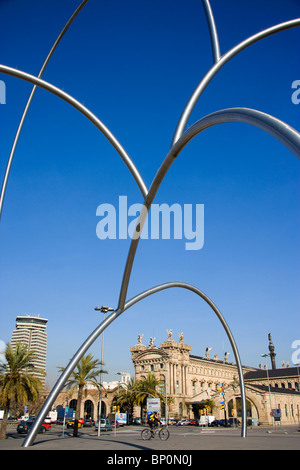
<point>13,149</point>
<point>65,375</point>
<point>87,113</point>
<point>197,291</point>
<point>278,129</point>
<point>218,65</point>
<point>28,441</point>
<point>212,31</point>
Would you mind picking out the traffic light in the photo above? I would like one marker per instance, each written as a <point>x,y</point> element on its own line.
<point>114,409</point>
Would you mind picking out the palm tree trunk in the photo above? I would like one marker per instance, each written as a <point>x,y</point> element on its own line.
<point>4,422</point>
<point>77,413</point>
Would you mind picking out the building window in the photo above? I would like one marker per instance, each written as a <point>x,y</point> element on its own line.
<point>142,367</point>
<point>152,367</point>
<point>194,388</point>
<point>177,387</point>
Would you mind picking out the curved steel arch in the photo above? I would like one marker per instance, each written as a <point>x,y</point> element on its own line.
<point>281,131</point>
<point>212,30</point>
<point>105,323</point>
<point>19,129</point>
<point>87,113</point>
<point>219,64</point>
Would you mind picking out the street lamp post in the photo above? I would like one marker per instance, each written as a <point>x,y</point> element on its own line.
<point>265,356</point>
<point>166,390</point>
<point>104,310</point>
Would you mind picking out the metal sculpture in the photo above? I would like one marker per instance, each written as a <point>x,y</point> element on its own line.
<point>15,142</point>
<point>281,131</point>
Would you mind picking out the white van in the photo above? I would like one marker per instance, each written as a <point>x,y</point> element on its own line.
<point>206,420</point>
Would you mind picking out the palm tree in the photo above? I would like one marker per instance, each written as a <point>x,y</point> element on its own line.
<point>86,372</point>
<point>18,385</point>
<point>148,388</point>
<point>126,397</point>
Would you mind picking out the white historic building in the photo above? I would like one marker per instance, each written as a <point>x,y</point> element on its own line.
<point>191,380</point>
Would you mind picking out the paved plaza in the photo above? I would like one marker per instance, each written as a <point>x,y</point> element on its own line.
<point>182,440</point>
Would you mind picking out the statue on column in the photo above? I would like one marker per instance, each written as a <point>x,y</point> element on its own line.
<point>170,335</point>
<point>140,337</point>
<point>207,352</point>
<point>272,351</point>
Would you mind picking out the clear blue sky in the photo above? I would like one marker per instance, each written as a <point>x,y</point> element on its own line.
<point>135,64</point>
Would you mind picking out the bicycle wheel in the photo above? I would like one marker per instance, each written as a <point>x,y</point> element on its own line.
<point>164,434</point>
<point>146,434</point>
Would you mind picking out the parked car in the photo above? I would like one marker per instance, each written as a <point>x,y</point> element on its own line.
<point>253,422</point>
<point>216,423</point>
<point>194,422</point>
<point>24,426</point>
<point>172,421</point>
<point>183,422</point>
<point>234,421</point>
<point>105,425</point>
<point>136,421</point>
<point>225,422</point>
<point>115,423</point>
<point>88,423</point>
<point>70,423</point>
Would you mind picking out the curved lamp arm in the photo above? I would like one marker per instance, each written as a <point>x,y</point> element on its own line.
<point>217,66</point>
<point>12,152</point>
<point>87,113</point>
<point>281,131</point>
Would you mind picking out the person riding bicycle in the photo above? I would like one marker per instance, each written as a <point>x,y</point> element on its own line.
<point>153,421</point>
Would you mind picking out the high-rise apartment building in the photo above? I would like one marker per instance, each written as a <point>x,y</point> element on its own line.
<point>30,330</point>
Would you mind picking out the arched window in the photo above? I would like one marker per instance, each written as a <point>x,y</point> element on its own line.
<point>73,404</point>
<point>88,409</point>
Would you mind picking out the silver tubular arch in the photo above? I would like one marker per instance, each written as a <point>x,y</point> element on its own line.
<point>197,291</point>
<point>13,149</point>
<point>87,113</point>
<point>212,31</point>
<point>278,129</point>
<point>64,377</point>
<point>218,65</point>
<point>28,441</point>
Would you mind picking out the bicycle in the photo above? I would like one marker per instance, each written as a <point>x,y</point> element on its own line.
<point>162,431</point>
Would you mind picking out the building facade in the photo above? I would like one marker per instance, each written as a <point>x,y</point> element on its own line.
<point>30,330</point>
<point>191,380</point>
